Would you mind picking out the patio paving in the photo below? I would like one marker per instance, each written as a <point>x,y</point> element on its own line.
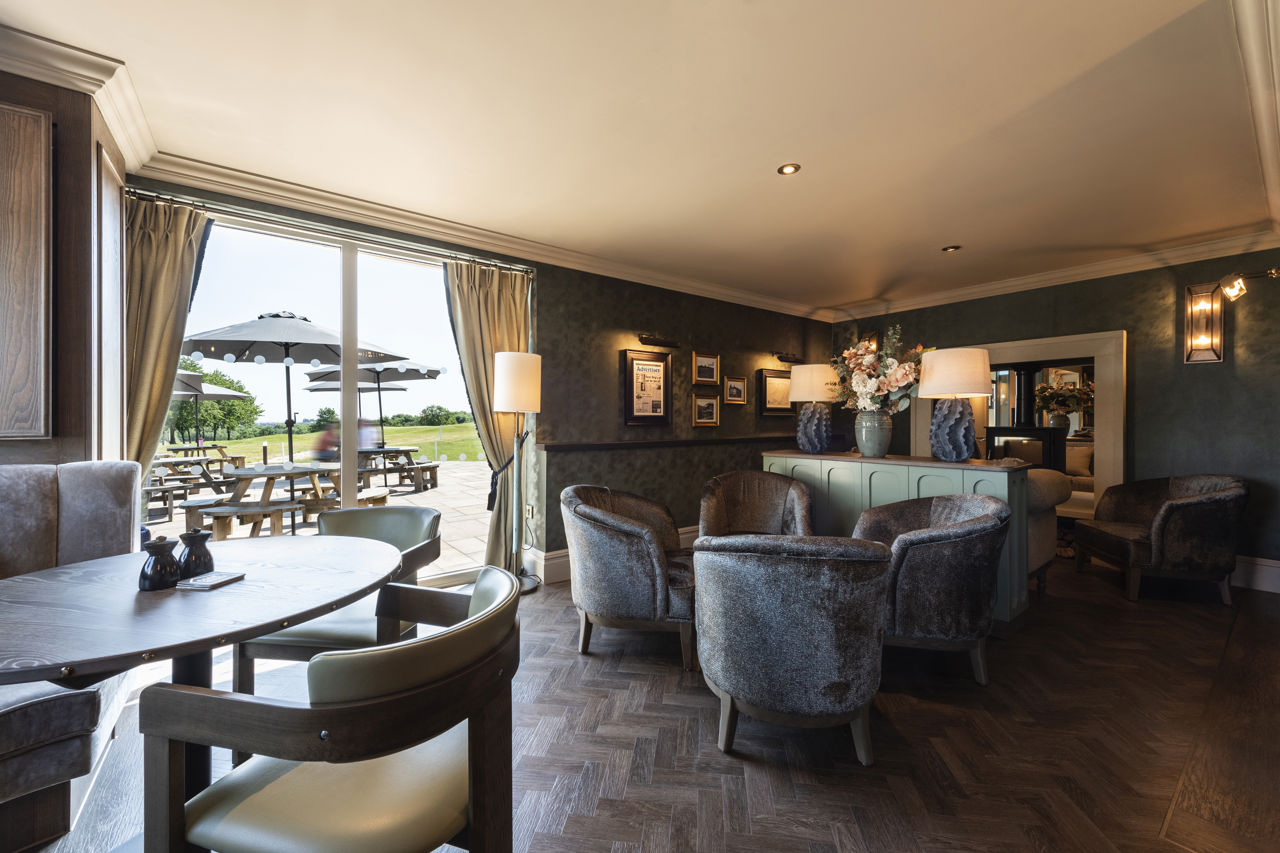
<point>460,498</point>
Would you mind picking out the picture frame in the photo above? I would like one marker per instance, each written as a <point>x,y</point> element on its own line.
<point>774,391</point>
<point>646,388</point>
<point>706,410</point>
<point>706,369</point>
<point>735,390</point>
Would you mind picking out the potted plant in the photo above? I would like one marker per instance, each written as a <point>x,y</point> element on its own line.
<point>1060,399</point>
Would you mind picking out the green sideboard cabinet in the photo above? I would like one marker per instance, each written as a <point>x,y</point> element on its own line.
<point>842,485</point>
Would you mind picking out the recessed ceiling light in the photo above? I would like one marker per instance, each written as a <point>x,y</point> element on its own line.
<point>788,168</point>
<point>950,249</point>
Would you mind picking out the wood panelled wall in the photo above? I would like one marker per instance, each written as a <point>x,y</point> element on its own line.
<point>83,233</point>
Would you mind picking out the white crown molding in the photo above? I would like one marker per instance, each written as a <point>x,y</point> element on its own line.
<point>1256,22</point>
<point>1253,242</point>
<point>106,80</point>
<point>195,173</point>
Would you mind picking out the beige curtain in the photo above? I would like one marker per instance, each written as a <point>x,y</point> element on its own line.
<point>162,242</point>
<point>490,312</point>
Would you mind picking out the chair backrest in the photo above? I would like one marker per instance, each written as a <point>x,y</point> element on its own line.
<point>617,543</point>
<point>58,514</point>
<point>792,624</point>
<point>351,675</point>
<point>401,526</point>
<point>754,502</point>
<point>945,575</point>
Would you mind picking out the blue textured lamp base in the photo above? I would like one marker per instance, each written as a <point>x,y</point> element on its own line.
<point>951,436</point>
<point>813,427</point>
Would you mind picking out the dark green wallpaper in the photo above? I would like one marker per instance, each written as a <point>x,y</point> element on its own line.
<point>583,322</point>
<point>1180,418</point>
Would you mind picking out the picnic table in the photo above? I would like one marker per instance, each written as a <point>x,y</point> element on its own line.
<point>220,459</point>
<point>398,461</point>
<point>192,471</point>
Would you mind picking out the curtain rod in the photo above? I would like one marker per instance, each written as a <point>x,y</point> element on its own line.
<point>353,233</point>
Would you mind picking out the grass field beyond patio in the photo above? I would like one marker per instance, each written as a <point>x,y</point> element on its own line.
<point>432,442</point>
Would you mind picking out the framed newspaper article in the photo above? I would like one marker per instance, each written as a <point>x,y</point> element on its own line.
<point>646,386</point>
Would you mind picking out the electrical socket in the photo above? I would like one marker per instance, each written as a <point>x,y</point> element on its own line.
<point>528,510</point>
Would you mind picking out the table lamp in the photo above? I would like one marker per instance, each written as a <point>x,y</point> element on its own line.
<point>517,388</point>
<point>815,386</point>
<point>953,376</point>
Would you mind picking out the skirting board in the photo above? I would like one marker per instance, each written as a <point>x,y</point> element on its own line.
<point>1257,573</point>
<point>1251,572</point>
<point>553,566</point>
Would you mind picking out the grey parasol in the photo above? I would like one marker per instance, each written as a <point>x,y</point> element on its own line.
<point>364,388</point>
<point>207,392</point>
<point>401,370</point>
<point>280,338</point>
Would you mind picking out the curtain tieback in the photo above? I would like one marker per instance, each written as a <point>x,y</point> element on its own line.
<point>493,478</point>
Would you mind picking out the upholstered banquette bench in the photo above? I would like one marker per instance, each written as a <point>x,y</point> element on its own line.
<point>51,515</point>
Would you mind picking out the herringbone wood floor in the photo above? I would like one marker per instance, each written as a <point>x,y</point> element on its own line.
<point>1075,745</point>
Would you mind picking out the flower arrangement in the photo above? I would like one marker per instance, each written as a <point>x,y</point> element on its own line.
<point>883,379</point>
<point>1062,399</point>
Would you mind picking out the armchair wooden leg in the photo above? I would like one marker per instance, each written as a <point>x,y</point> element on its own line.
<point>584,632</point>
<point>689,647</point>
<point>728,723</point>
<point>164,821</point>
<point>1224,590</point>
<point>1134,577</point>
<point>978,660</point>
<point>489,750</point>
<point>861,726</point>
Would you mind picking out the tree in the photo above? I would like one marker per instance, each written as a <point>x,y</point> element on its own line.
<point>230,414</point>
<point>324,417</point>
<point>435,415</point>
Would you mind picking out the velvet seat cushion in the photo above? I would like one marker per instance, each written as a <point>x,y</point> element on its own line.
<point>406,802</point>
<point>1116,541</point>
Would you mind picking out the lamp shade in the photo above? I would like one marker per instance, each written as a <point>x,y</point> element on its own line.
<point>517,382</point>
<point>960,372</point>
<point>813,383</point>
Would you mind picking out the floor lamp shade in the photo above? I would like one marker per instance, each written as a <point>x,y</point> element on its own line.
<point>517,382</point>
<point>954,375</point>
<point>815,386</point>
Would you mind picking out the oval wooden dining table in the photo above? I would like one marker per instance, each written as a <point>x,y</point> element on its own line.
<point>80,623</point>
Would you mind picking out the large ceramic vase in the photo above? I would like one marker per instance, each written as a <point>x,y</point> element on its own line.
<point>873,431</point>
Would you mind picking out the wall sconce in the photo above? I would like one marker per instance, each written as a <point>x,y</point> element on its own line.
<point>651,340</point>
<point>1203,330</point>
<point>872,339</point>
<point>788,357</point>
<point>1233,285</point>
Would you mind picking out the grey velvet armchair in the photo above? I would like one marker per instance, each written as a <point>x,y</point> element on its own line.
<point>946,555</point>
<point>626,565</point>
<point>1175,527</point>
<point>789,629</point>
<point>755,502</point>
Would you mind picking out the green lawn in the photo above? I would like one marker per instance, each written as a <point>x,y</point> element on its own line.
<point>432,442</point>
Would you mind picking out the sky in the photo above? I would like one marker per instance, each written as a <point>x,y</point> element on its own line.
<point>401,309</point>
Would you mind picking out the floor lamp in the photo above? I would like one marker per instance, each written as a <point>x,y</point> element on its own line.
<point>517,388</point>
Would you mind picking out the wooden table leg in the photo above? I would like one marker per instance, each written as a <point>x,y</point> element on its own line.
<point>277,523</point>
<point>221,527</point>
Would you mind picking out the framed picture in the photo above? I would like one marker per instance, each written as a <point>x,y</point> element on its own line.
<point>775,392</point>
<point>706,410</point>
<point>735,390</point>
<point>646,387</point>
<point>706,369</point>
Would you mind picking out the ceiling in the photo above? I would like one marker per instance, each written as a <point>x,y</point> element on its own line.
<point>1051,140</point>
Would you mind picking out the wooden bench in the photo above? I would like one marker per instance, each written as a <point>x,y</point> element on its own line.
<point>166,493</point>
<point>192,519</point>
<point>422,474</point>
<point>254,514</point>
<point>312,505</point>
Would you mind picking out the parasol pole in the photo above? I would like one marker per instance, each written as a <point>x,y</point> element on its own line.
<point>382,430</point>
<point>288,425</point>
